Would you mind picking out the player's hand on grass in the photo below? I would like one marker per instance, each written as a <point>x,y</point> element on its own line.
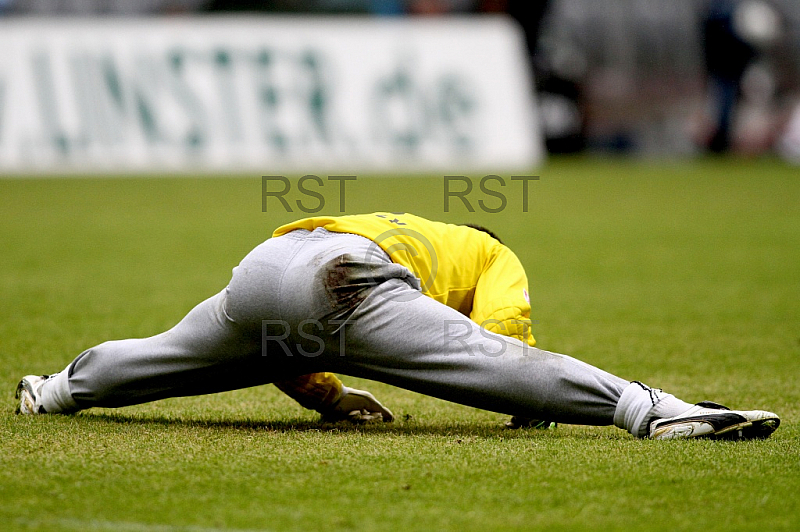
<point>357,406</point>
<point>519,422</point>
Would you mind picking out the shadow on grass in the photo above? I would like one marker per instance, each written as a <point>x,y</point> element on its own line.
<point>403,427</point>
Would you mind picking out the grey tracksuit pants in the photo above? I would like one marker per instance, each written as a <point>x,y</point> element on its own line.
<point>318,301</point>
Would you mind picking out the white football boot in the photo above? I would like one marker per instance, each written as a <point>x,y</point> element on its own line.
<point>29,394</point>
<point>713,421</point>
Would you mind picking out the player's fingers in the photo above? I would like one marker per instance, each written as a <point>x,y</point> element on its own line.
<point>517,421</point>
<point>364,416</point>
<point>367,402</point>
<point>377,408</point>
<point>386,414</point>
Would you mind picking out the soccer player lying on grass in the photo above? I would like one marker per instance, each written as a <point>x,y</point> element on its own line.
<point>436,308</point>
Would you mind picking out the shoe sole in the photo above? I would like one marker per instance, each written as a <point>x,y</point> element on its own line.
<point>760,429</point>
<point>757,429</point>
<point>24,395</point>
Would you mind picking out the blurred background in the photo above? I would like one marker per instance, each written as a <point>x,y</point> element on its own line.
<point>643,77</point>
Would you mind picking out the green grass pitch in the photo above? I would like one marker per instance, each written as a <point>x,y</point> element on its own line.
<point>683,275</point>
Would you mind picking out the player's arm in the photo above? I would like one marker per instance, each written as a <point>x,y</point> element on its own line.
<point>501,304</point>
<point>326,394</point>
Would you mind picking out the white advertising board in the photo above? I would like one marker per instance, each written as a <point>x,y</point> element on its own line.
<point>278,94</point>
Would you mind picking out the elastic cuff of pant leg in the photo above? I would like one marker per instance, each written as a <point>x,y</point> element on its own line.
<point>55,396</point>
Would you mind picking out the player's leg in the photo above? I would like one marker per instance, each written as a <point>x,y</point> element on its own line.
<point>422,345</point>
<point>204,353</point>
<point>216,347</point>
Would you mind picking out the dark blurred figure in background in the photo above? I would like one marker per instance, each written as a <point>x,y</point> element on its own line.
<point>558,73</point>
<point>727,55</point>
<point>528,13</point>
<point>741,44</point>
